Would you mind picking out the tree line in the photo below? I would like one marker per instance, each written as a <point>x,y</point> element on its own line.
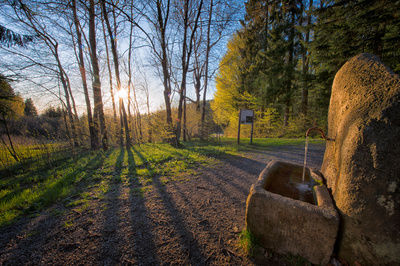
<point>94,48</point>
<point>283,59</point>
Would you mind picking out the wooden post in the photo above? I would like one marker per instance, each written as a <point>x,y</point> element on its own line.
<point>251,134</point>
<point>238,137</point>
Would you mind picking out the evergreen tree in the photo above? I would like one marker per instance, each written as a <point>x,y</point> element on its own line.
<point>10,38</point>
<point>30,109</point>
<point>53,112</point>
<point>346,28</point>
<point>271,52</point>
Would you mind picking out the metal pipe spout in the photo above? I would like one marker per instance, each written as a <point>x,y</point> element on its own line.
<point>320,131</point>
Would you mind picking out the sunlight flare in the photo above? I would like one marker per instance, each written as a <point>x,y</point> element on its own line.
<point>122,94</point>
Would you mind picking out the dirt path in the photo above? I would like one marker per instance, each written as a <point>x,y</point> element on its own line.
<point>197,221</point>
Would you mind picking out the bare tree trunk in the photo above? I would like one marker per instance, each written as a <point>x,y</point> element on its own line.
<point>53,46</point>
<point>67,99</point>
<point>162,25</point>
<point>131,124</point>
<point>184,117</point>
<point>94,141</point>
<point>150,129</point>
<point>138,127</point>
<point>117,76</point>
<point>66,127</point>
<point>71,95</point>
<point>150,125</point>
<point>203,111</point>
<point>184,68</point>
<point>197,67</point>
<point>75,114</point>
<point>98,101</point>
<point>109,74</point>
<point>186,53</point>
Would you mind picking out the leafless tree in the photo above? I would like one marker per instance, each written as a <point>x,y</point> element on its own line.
<point>124,118</point>
<point>29,19</point>
<point>98,101</point>
<point>94,141</point>
<point>190,19</point>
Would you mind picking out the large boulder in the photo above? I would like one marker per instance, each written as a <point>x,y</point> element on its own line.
<point>362,164</point>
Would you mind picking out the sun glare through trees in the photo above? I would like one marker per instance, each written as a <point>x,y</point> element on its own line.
<point>121,140</point>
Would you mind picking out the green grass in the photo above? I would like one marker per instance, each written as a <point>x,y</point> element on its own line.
<point>269,142</point>
<point>250,246</point>
<point>74,181</point>
<point>29,152</point>
<point>248,243</point>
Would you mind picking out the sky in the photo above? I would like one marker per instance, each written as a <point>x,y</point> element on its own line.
<point>42,85</point>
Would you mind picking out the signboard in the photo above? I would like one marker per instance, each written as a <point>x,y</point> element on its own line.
<point>246,116</point>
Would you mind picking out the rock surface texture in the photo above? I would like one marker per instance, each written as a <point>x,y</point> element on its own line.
<point>362,165</point>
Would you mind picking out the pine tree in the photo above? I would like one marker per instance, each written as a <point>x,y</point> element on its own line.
<point>30,109</point>
<point>344,29</point>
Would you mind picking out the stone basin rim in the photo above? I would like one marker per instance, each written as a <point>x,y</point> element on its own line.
<point>324,204</point>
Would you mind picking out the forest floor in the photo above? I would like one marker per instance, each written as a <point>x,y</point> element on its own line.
<point>144,207</point>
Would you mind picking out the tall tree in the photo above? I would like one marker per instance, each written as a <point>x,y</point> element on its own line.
<point>190,19</point>
<point>306,58</point>
<point>344,29</point>
<point>162,18</point>
<point>206,72</point>
<point>97,97</point>
<point>30,108</point>
<point>131,87</point>
<point>94,141</point>
<point>117,74</point>
<point>29,18</point>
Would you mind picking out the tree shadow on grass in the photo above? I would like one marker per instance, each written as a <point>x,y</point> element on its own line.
<point>248,166</point>
<point>245,164</point>
<point>110,250</point>
<point>40,162</point>
<point>27,237</point>
<point>187,242</point>
<point>21,179</point>
<point>144,247</point>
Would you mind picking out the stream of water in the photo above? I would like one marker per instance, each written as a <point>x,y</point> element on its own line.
<point>305,159</point>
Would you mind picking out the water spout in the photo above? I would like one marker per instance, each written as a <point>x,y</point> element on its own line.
<point>305,158</point>
<point>321,131</point>
<point>306,146</point>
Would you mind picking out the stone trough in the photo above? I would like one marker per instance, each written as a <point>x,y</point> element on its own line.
<point>287,215</point>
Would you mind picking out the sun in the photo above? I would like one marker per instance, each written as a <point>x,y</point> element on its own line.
<point>122,94</point>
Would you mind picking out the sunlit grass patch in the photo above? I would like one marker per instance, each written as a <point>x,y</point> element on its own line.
<point>247,242</point>
<point>29,149</point>
<point>267,142</point>
<point>32,191</point>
